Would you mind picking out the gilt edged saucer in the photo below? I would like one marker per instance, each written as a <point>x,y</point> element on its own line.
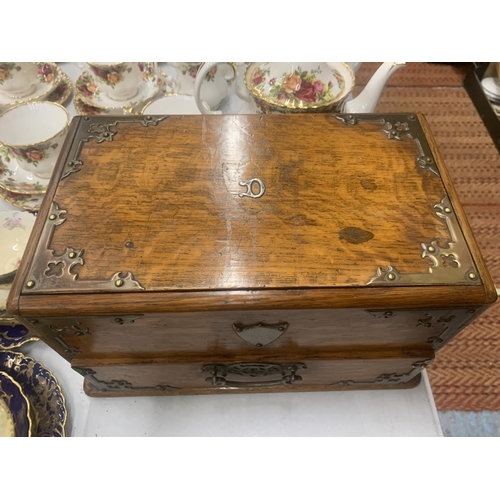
<point>82,108</point>
<point>42,390</point>
<point>63,91</point>
<point>88,90</point>
<point>49,77</point>
<point>15,179</point>
<point>30,202</point>
<point>15,418</point>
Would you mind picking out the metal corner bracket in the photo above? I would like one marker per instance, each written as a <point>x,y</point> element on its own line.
<point>51,272</point>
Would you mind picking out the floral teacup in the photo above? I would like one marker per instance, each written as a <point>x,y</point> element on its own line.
<point>17,79</point>
<point>119,80</point>
<point>33,134</point>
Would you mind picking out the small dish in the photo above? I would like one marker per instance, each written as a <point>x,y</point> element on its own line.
<point>82,108</point>
<point>15,230</point>
<point>87,90</point>
<point>15,179</point>
<point>42,390</point>
<point>48,80</point>
<point>15,418</point>
<point>30,202</point>
<point>172,104</point>
<point>62,92</point>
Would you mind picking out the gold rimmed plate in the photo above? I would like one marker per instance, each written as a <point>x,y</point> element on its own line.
<point>15,179</point>
<point>49,77</point>
<point>15,418</point>
<point>30,202</point>
<point>42,391</point>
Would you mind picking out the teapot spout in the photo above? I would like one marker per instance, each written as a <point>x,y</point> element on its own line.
<point>367,100</point>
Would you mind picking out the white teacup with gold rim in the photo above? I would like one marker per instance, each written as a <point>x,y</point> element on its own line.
<point>33,134</point>
<point>119,80</point>
<point>17,79</point>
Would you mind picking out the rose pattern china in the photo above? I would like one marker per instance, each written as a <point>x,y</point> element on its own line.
<point>289,87</point>
<point>42,79</point>
<point>120,81</point>
<point>91,92</point>
<point>33,133</point>
<point>17,180</point>
<point>26,201</point>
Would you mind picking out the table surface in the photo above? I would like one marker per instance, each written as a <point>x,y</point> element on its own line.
<point>407,412</point>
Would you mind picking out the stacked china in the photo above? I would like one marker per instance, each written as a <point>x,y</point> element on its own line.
<point>28,91</point>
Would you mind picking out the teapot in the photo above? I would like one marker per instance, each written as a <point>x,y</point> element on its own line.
<point>288,87</point>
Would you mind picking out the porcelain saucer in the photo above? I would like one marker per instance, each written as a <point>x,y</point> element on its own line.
<point>82,108</point>
<point>42,390</point>
<point>15,230</point>
<point>49,77</point>
<point>62,92</point>
<point>30,202</point>
<point>172,104</point>
<point>15,179</point>
<point>15,418</point>
<point>88,91</point>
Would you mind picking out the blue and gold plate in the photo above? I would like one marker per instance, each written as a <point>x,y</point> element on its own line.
<point>42,390</point>
<point>15,408</point>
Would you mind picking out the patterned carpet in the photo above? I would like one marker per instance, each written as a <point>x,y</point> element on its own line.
<point>466,373</point>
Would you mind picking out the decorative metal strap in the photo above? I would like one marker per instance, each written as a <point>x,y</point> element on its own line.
<point>388,378</point>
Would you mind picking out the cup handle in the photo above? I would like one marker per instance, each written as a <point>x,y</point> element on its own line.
<point>200,76</point>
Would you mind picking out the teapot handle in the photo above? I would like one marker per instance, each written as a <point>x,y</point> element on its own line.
<point>200,76</point>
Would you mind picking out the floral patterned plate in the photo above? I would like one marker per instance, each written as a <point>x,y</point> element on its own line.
<point>15,418</point>
<point>49,77</point>
<point>15,179</point>
<point>30,202</point>
<point>62,92</point>
<point>87,90</point>
<point>42,390</point>
<point>298,85</point>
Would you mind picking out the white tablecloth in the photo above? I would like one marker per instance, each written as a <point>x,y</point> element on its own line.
<point>409,412</point>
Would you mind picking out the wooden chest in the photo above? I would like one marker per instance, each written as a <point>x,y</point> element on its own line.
<point>208,254</point>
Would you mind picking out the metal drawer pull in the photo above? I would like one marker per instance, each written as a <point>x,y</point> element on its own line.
<point>220,372</point>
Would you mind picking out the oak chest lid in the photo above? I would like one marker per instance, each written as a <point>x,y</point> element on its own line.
<point>163,203</point>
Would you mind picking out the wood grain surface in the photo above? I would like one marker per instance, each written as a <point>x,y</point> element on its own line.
<point>163,203</point>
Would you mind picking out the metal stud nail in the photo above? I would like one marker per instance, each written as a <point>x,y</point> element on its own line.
<point>472,276</point>
<point>119,283</point>
<point>391,276</point>
<point>447,210</point>
<point>30,284</point>
<point>52,217</point>
<point>431,249</point>
<point>72,255</point>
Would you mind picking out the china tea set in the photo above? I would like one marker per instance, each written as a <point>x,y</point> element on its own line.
<point>33,123</point>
